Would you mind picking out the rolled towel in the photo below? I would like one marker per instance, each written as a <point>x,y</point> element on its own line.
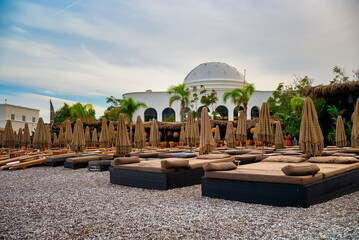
<point>125,160</point>
<point>302,170</point>
<point>175,163</point>
<point>221,166</point>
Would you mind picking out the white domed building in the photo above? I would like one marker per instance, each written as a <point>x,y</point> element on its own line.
<point>217,76</point>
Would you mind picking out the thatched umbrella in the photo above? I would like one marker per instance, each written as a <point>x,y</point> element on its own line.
<point>20,137</point>
<point>191,133</point>
<point>255,134</point>
<point>9,140</point>
<point>15,137</point>
<point>48,135</point>
<point>311,140</point>
<point>94,139</point>
<point>217,135</point>
<point>104,141</point>
<point>154,134</point>
<point>111,134</point>
<point>265,133</point>
<point>140,138</point>
<point>26,137</point>
<point>340,138</point>
<point>279,140</point>
<point>87,136</point>
<point>61,137</point>
<point>207,143</point>
<point>355,128</point>
<point>1,139</point>
<point>241,134</point>
<point>230,140</point>
<point>123,144</point>
<point>78,138</point>
<point>197,132</point>
<point>41,140</point>
<point>55,140</point>
<point>68,133</point>
<point>182,135</point>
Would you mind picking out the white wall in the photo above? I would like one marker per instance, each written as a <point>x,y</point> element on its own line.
<point>7,109</point>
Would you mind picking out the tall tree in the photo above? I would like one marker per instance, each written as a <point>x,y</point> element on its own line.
<point>240,96</point>
<point>129,106</point>
<point>85,112</point>
<point>112,112</point>
<point>63,113</point>
<point>179,93</point>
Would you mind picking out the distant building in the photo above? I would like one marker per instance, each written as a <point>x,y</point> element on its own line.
<point>19,116</point>
<point>218,76</point>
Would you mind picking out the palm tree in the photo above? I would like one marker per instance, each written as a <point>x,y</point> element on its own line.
<point>240,96</point>
<point>85,112</point>
<point>129,106</point>
<point>179,93</point>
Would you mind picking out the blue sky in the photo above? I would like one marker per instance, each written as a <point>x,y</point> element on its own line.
<point>87,50</point>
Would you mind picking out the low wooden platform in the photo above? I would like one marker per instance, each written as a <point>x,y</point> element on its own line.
<point>282,194</point>
<point>75,165</point>
<point>159,181</point>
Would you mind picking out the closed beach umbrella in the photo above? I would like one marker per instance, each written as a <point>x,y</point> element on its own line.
<point>40,138</point>
<point>26,137</point>
<point>55,140</point>
<point>87,136</point>
<point>94,139</point>
<point>140,138</point>
<point>265,133</point>
<point>241,134</point>
<point>123,144</point>
<point>256,131</point>
<point>182,135</point>
<point>217,135</point>
<point>68,133</point>
<point>48,135</point>
<point>207,143</point>
<point>16,140</point>
<point>111,134</point>
<point>154,134</point>
<point>104,138</point>
<point>311,140</point>
<point>190,128</point>
<point>9,140</point>
<point>20,138</point>
<point>61,137</point>
<point>340,138</point>
<point>1,138</point>
<point>355,128</point>
<point>230,140</point>
<point>196,131</point>
<point>78,138</point>
<point>279,140</point>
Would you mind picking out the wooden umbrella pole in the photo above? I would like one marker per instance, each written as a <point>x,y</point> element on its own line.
<point>240,144</point>
<point>262,149</point>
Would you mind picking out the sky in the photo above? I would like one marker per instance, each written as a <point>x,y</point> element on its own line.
<point>87,50</point>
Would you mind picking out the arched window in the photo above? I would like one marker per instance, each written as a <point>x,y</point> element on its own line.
<point>223,112</point>
<point>254,112</point>
<point>168,114</point>
<point>236,112</point>
<point>200,110</point>
<point>150,114</point>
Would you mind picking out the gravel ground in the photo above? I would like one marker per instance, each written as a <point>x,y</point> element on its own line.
<point>59,203</point>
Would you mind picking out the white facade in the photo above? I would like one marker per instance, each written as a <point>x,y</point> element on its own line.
<point>218,76</point>
<point>19,116</point>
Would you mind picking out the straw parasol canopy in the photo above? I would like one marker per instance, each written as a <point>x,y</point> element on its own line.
<point>19,138</point>
<point>68,133</point>
<point>9,140</point>
<point>48,135</point>
<point>196,131</point>
<point>41,140</point>
<point>311,140</point>
<point>230,140</point>
<point>154,134</point>
<point>104,140</point>
<point>94,139</point>
<point>256,131</point>
<point>87,136</point>
<point>140,138</point>
<point>340,138</point>
<point>61,137</point>
<point>78,138</point>
<point>1,139</point>
<point>217,135</point>
<point>279,140</point>
<point>241,133</point>
<point>265,133</point>
<point>190,128</point>
<point>55,140</point>
<point>26,137</point>
<point>123,144</point>
<point>355,129</point>
<point>111,134</point>
<point>207,143</point>
<point>182,135</point>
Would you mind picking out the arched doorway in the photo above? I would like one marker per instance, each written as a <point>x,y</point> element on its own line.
<point>255,112</point>
<point>168,114</point>
<point>223,112</point>
<point>150,114</point>
<point>236,112</point>
<point>199,111</point>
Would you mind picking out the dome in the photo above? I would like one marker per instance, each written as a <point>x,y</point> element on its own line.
<point>214,75</point>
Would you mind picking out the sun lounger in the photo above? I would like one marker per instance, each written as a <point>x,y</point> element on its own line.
<point>82,162</point>
<point>54,161</point>
<point>265,183</point>
<point>154,174</point>
<point>99,165</point>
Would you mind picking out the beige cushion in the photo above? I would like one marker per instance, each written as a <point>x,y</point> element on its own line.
<point>126,160</point>
<point>344,154</point>
<point>246,157</point>
<point>84,159</point>
<point>175,163</point>
<point>222,166</point>
<point>106,157</point>
<point>288,159</point>
<point>333,159</point>
<point>350,150</point>
<point>213,156</point>
<point>303,170</point>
